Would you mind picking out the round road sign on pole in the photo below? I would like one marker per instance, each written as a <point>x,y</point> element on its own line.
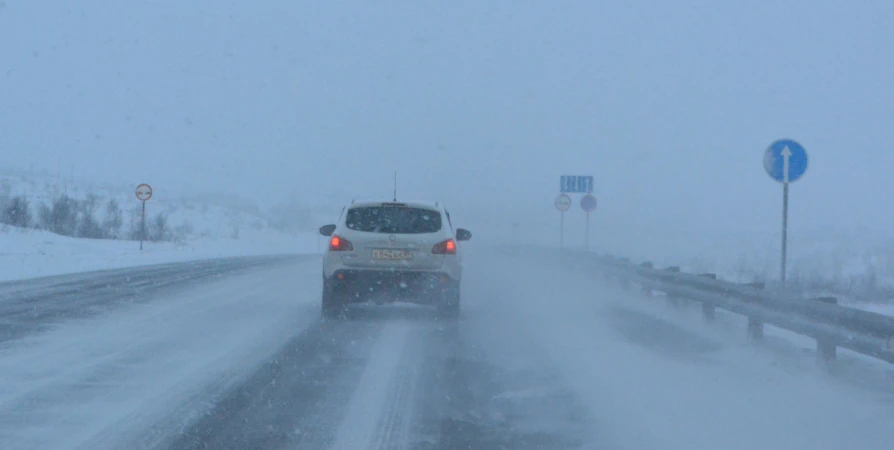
<point>588,203</point>
<point>563,202</point>
<point>144,192</point>
<point>785,161</point>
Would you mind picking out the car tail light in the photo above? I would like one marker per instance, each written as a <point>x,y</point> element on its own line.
<point>340,244</point>
<point>447,247</point>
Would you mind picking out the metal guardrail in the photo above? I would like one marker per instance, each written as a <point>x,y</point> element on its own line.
<point>832,325</point>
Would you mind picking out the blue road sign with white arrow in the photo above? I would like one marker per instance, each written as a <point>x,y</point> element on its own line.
<point>785,161</point>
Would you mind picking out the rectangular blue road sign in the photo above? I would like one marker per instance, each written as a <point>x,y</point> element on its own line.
<point>576,184</point>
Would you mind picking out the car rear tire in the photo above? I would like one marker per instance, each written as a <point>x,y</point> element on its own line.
<point>448,306</point>
<point>332,305</point>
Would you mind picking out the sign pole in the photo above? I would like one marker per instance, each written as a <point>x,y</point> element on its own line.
<point>562,230</point>
<point>588,204</point>
<point>784,232</point>
<point>144,193</point>
<point>588,232</point>
<point>143,226</point>
<point>786,162</point>
<point>563,202</point>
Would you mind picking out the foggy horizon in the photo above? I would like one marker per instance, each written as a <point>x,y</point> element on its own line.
<point>670,107</point>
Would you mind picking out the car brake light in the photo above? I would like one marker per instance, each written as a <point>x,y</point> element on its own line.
<point>340,244</point>
<point>447,247</point>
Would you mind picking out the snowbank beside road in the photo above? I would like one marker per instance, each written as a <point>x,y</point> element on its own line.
<point>856,266</point>
<point>27,253</point>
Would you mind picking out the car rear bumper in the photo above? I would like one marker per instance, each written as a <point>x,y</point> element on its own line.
<point>389,285</point>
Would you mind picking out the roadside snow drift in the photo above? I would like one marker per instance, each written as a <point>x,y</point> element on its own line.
<point>26,253</point>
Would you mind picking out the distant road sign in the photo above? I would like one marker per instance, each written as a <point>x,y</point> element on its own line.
<point>563,202</point>
<point>144,192</point>
<point>588,203</point>
<point>785,161</point>
<point>576,184</point>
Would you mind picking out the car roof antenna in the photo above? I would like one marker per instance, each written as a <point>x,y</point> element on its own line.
<point>395,186</point>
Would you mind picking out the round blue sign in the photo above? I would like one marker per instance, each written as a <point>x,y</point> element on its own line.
<point>588,203</point>
<point>785,161</point>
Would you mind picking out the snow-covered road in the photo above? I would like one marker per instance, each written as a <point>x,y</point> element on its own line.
<point>542,356</point>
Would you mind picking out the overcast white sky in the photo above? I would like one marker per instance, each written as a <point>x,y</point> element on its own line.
<point>483,104</point>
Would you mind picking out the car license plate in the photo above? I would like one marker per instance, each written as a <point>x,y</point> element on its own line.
<point>391,255</point>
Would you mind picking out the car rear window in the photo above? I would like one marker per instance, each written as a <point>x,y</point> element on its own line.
<point>393,220</point>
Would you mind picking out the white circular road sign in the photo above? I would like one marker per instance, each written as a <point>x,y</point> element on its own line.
<point>563,202</point>
<point>144,192</point>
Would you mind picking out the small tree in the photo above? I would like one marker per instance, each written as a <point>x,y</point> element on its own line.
<point>158,229</point>
<point>4,203</point>
<point>135,223</point>
<point>90,204</point>
<point>61,217</point>
<point>45,217</point>
<point>111,225</point>
<point>89,227</point>
<point>17,212</point>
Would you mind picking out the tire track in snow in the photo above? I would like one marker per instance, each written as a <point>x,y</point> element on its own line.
<point>374,414</point>
<point>395,426</point>
<point>294,399</point>
<point>391,378</point>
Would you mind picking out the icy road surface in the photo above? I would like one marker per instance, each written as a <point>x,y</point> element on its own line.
<point>547,356</point>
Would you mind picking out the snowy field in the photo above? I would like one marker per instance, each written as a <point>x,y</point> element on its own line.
<point>814,255</point>
<point>26,253</point>
<point>855,266</point>
<point>205,227</point>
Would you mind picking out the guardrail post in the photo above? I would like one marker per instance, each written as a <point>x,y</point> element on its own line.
<point>673,301</point>
<point>707,308</point>
<point>645,289</point>
<point>755,326</point>
<point>826,351</point>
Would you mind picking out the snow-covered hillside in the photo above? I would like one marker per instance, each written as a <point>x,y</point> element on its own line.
<point>202,228</point>
<point>197,214</point>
